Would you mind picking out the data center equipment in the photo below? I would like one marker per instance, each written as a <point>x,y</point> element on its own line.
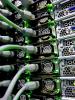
<point>64,17</point>
<point>37,49</point>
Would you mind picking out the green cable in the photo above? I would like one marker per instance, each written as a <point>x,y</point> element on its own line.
<point>10,22</point>
<point>10,47</point>
<point>25,31</point>
<point>26,48</point>
<point>9,3</point>
<point>24,13</point>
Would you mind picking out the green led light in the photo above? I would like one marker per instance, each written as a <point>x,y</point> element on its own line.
<point>27,41</point>
<point>58,90</point>
<point>28,56</point>
<point>29,94</point>
<point>26,24</point>
<point>50,7</point>
<point>51,23</point>
<point>52,40</point>
<point>28,80</point>
<point>57,71</point>
<point>58,81</point>
<point>56,61</point>
<point>28,72</point>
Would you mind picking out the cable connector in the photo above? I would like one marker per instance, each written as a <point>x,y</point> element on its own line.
<point>28,86</point>
<point>6,53</point>
<point>6,39</point>
<point>28,32</point>
<point>30,67</point>
<point>30,49</point>
<point>25,31</point>
<point>26,48</point>
<point>26,15</point>
<point>5,83</point>
<point>7,68</point>
<point>32,85</point>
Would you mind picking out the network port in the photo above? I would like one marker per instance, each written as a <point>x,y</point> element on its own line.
<point>68,87</point>
<point>67,67</point>
<point>48,48</point>
<point>68,70</point>
<point>50,86</point>
<point>45,33</point>
<point>66,42</point>
<point>67,51</point>
<point>47,66</point>
<point>66,28</point>
<point>64,9</point>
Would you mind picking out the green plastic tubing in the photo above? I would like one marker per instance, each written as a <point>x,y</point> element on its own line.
<point>9,3</point>
<point>10,22</point>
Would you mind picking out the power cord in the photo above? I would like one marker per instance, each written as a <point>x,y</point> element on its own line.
<point>30,67</point>
<point>25,31</point>
<point>28,86</point>
<point>24,13</point>
<point>5,83</point>
<point>27,48</point>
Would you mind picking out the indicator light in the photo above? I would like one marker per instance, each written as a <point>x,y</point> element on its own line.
<point>50,7</point>
<point>51,23</point>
